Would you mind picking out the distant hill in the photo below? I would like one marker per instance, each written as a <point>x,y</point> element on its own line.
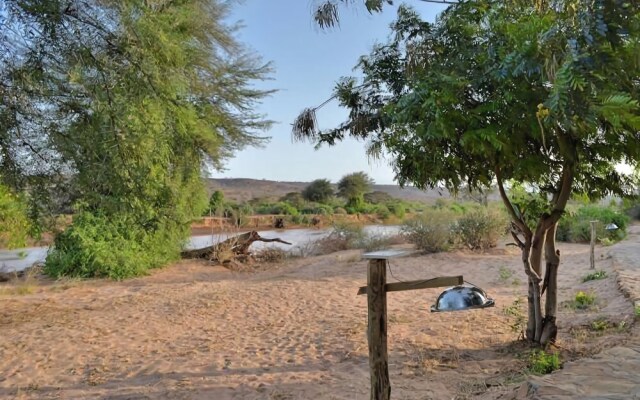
<point>243,189</point>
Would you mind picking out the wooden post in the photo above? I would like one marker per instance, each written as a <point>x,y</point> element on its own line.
<point>377,329</point>
<point>593,244</point>
<point>376,291</point>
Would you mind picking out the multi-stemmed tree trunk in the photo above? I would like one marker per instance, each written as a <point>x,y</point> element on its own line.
<point>535,245</point>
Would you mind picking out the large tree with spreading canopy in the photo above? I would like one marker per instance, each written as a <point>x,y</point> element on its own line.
<point>126,101</point>
<point>542,94</point>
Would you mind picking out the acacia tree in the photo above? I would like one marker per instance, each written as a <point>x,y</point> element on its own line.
<point>319,191</point>
<point>505,90</point>
<point>127,100</point>
<point>353,186</point>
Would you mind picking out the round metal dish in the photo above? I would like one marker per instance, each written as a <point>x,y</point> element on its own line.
<point>460,298</point>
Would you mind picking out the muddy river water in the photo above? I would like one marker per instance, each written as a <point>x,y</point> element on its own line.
<point>19,259</point>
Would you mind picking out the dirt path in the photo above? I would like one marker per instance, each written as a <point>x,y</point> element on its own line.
<point>295,331</point>
<point>615,373</point>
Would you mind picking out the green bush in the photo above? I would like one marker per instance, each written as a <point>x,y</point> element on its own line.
<point>382,211</point>
<point>397,209</point>
<point>576,227</point>
<point>481,229</point>
<point>595,276</point>
<point>14,223</point>
<point>584,300</point>
<point>542,363</point>
<point>116,247</point>
<point>431,231</point>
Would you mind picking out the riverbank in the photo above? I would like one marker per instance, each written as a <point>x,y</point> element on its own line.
<point>295,330</point>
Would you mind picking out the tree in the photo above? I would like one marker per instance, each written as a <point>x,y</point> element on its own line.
<point>326,12</point>
<point>216,202</point>
<point>296,199</point>
<point>377,197</point>
<point>352,187</point>
<point>319,191</point>
<point>497,91</point>
<point>129,99</point>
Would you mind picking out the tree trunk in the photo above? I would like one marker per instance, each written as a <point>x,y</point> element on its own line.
<point>230,248</point>
<point>532,259</point>
<point>552,255</point>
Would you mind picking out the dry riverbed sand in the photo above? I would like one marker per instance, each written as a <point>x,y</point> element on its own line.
<point>294,330</point>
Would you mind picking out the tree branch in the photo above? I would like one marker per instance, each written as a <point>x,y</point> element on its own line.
<point>517,220</point>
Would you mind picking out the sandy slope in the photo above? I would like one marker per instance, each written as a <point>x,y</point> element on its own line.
<point>296,331</point>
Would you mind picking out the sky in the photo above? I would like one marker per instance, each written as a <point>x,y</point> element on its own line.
<point>308,61</point>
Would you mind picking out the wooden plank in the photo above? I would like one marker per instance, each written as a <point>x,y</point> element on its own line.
<point>377,330</point>
<point>443,281</point>
<point>387,254</point>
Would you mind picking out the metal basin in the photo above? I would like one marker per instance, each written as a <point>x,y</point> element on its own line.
<point>460,298</point>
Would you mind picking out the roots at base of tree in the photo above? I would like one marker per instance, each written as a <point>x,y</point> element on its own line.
<point>233,253</point>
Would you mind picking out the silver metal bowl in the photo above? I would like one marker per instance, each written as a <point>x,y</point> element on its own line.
<point>460,298</point>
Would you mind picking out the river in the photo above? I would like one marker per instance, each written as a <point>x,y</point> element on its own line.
<point>19,259</point>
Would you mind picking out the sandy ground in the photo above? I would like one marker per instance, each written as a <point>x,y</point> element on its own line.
<point>293,331</point>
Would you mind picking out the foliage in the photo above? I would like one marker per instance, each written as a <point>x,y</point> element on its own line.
<point>398,209</point>
<point>111,246</point>
<point>352,187</point>
<point>382,211</point>
<point>343,236</point>
<point>600,325</point>
<point>505,273</point>
<point>595,276</point>
<point>216,203</point>
<point>320,190</point>
<point>128,99</point>
<point>295,199</point>
<point>339,210</point>
<point>541,362</point>
<point>431,231</point>
<point>584,300</point>
<point>515,312</point>
<point>576,226</point>
<point>480,229</point>
<point>377,197</point>
<point>499,92</point>
<point>14,222</point>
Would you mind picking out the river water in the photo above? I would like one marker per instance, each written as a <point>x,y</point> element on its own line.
<point>19,259</point>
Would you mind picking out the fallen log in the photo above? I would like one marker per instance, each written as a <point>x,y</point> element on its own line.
<point>234,247</point>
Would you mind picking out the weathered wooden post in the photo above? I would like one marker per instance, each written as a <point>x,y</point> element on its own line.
<point>593,244</point>
<point>376,291</point>
<point>377,329</point>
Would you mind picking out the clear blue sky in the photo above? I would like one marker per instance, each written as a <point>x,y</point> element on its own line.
<point>308,62</point>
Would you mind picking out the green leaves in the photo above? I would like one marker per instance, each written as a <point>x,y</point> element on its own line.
<point>130,99</point>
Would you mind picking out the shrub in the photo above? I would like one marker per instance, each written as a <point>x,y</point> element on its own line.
<point>584,300</point>
<point>480,229</point>
<point>343,236</point>
<point>14,224</point>
<point>576,227</point>
<point>505,274</point>
<point>541,362</point>
<point>382,211</point>
<point>600,325</point>
<point>516,314</point>
<point>397,209</point>
<point>116,247</point>
<point>271,255</point>
<point>595,276</point>
<point>430,231</point>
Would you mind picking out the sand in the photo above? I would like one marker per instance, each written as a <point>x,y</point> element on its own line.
<point>295,330</point>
